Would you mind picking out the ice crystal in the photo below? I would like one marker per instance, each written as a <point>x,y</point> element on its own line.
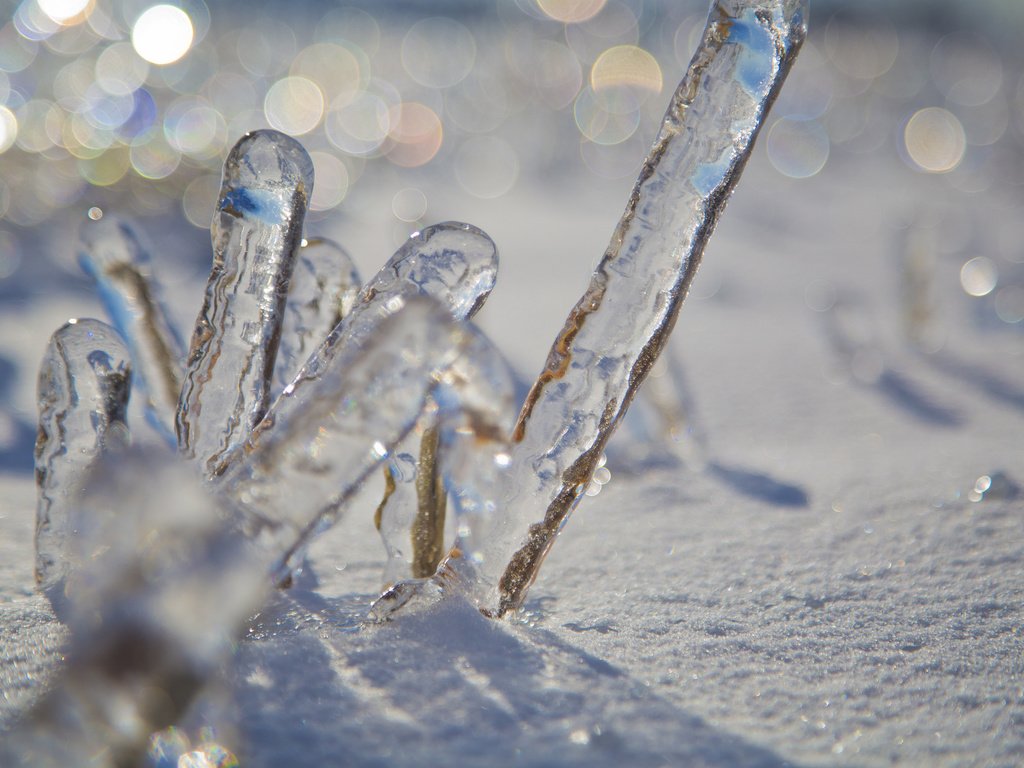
<point>156,564</point>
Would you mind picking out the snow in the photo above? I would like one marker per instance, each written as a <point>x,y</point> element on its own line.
<point>700,618</point>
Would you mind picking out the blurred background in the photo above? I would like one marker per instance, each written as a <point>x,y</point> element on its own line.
<point>529,118</point>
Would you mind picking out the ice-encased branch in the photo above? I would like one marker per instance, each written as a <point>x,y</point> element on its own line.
<point>112,254</point>
<point>598,361</point>
<point>257,228</point>
<point>84,385</point>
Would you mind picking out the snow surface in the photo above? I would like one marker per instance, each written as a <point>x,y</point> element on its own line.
<point>823,594</point>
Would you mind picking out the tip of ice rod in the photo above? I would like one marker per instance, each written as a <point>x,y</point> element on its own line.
<point>269,159</point>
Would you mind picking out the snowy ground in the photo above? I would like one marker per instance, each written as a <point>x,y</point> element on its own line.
<point>824,593</point>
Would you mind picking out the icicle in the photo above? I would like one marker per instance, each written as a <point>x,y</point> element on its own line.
<point>112,254</point>
<point>268,178</point>
<point>84,383</point>
<point>324,287</point>
<point>598,361</point>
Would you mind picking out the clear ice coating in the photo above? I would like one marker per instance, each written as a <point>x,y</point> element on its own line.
<point>111,252</point>
<point>453,262</point>
<point>165,566</point>
<point>256,231</point>
<point>291,473</point>
<point>153,615</point>
<point>597,362</point>
<point>457,264</point>
<point>324,287</point>
<point>84,384</point>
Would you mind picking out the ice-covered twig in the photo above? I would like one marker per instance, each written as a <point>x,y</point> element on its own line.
<point>457,264</point>
<point>257,228</point>
<point>597,362</point>
<point>84,384</point>
<point>112,254</point>
<point>289,472</point>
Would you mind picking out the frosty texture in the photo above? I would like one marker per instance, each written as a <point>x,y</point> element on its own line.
<point>598,361</point>
<point>257,228</point>
<point>324,287</point>
<point>111,252</point>
<point>84,383</point>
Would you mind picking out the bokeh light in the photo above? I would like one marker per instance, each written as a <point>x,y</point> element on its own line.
<point>935,140</point>
<point>194,127</point>
<point>615,24</point>
<point>798,149</point>
<point>294,105</point>
<point>409,204</point>
<point>979,276</point>
<point>359,126</point>
<point>120,70</point>
<point>415,134</point>
<point>200,199</point>
<point>571,11</point>
<point>65,11</point>
<point>162,34</point>
<point>1009,304</point>
<point>862,52</point>
<point>336,69</point>
<point>8,129</point>
<point>332,181</point>
<point>626,66</point>
<point>605,118</point>
<point>420,52</point>
<point>265,49</point>
<point>154,158</point>
<point>966,69</point>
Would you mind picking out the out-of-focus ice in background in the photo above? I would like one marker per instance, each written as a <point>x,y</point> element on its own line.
<point>133,104</point>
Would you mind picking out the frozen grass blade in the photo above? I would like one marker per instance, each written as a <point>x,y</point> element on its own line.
<point>457,264</point>
<point>84,384</point>
<point>454,263</point>
<point>291,473</point>
<point>597,362</point>
<point>257,228</point>
<point>112,254</point>
<point>160,590</point>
